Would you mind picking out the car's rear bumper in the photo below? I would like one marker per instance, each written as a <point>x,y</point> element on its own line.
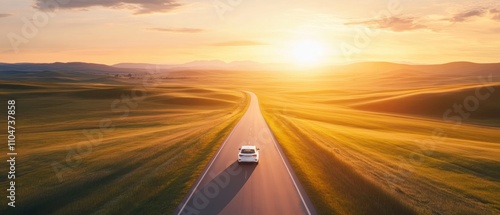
<point>248,160</point>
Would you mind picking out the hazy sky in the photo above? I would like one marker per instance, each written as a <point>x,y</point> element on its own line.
<point>177,31</point>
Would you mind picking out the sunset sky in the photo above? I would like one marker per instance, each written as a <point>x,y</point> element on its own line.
<point>278,31</point>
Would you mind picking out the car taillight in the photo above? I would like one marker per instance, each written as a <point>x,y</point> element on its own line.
<point>255,155</point>
<point>240,155</point>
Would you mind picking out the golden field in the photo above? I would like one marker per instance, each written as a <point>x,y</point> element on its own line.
<point>142,154</point>
<point>363,139</point>
<point>381,144</point>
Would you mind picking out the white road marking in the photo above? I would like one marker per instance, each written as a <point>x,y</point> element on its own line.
<point>289,173</point>
<point>206,171</point>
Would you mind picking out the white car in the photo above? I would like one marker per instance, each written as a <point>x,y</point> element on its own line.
<point>248,154</point>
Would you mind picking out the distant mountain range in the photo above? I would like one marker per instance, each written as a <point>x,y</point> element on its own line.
<point>58,66</point>
<point>206,64</point>
<point>373,67</point>
<point>131,67</point>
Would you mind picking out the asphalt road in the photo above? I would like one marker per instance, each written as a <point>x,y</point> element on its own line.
<point>226,187</point>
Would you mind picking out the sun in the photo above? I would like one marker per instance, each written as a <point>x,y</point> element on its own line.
<point>308,53</point>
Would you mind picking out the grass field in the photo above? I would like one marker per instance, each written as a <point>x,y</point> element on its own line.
<point>373,147</point>
<point>149,153</point>
<point>357,162</point>
<point>363,139</point>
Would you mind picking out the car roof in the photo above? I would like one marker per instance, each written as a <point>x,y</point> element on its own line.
<point>248,147</point>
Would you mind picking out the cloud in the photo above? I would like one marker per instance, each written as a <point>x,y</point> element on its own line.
<point>467,15</point>
<point>492,13</point>
<point>397,24</point>
<point>138,6</point>
<point>178,30</point>
<point>2,15</point>
<point>401,24</point>
<point>240,43</point>
<point>495,14</point>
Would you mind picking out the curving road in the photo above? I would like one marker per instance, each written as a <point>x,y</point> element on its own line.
<point>226,187</point>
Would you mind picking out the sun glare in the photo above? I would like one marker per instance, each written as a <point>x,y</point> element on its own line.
<point>308,53</point>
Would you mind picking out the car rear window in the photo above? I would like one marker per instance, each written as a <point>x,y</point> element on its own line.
<point>247,151</point>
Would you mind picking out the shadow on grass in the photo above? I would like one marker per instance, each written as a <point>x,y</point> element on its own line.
<point>353,192</point>
<point>60,197</point>
<point>215,195</point>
